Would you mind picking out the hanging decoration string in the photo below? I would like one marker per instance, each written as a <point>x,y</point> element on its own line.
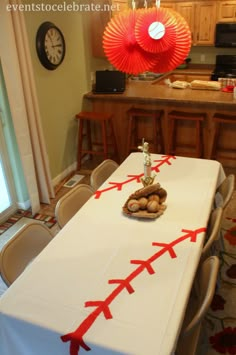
<point>133,5</point>
<point>158,3</point>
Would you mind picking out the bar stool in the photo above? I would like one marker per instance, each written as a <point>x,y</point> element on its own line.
<point>221,121</point>
<point>195,120</point>
<point>85,134</point>
<point>134,118</point>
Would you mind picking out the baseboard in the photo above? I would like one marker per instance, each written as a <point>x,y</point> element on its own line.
<point>69,170</point>
<point>25,205</point>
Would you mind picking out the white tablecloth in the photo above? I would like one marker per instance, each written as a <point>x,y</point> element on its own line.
<point>119,285</point>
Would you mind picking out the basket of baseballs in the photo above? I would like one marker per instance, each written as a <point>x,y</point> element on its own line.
<point>147,202</point>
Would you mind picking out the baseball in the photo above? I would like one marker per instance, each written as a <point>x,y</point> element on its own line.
<point>133,205</point>
<point>154,197</point>
<point>143,202</point>
<point>153,206</point>
<point>156,30</point>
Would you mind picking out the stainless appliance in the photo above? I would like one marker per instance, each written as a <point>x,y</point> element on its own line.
<point>225,35</point>
<point>225,67</point>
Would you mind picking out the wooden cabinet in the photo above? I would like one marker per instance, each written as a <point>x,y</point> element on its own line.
<point>168,5</point>
<point>205,20</point>
<point>99,20</point>
<point>118,6</point>
<point>226,11</point>
<point>184,77</point>
<point>186,9</point>
<point>201,18</point>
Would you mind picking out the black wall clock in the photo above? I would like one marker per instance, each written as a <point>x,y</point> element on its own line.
<point>50,45</point>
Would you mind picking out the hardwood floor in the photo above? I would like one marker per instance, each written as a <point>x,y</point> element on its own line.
<point>60,190</point>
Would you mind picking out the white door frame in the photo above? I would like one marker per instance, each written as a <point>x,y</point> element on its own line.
<point>8,178</point>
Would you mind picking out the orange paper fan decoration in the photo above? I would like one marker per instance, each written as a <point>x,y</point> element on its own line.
<point>173,57</point>
<point>156,30</point>
<point>121,47</point>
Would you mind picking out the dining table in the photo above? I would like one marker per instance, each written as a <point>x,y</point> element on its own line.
<point>109,282</point>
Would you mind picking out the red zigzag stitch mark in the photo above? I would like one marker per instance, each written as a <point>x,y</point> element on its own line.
<point>119,185</point>
<point>76,337</point>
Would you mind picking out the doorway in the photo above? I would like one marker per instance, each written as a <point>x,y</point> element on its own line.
<point>8,203</point>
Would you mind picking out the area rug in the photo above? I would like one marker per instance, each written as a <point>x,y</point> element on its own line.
<point>220,322</point>
<point>49,221</point>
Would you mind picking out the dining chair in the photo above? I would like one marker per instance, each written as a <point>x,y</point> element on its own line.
<point>225,191</point>
<point>22,248</point>
<point>102,172</point>
<point>213,231</point>
<point>71,202</point>
<point>197,307</point>
<point>223,196</point>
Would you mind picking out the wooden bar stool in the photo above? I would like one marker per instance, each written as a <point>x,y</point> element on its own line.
<point>85,135</point>
<point>222,122</point>
<point>195,148</point>
<point>134,117</point>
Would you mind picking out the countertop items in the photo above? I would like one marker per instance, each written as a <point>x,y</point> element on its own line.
<point>148,76</point>
<point>205,85</point>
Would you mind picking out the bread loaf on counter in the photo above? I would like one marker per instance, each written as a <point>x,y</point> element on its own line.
<point>180,84</point>
<point>205,85</point>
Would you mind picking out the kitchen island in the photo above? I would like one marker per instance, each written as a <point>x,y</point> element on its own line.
<point>156,95</point>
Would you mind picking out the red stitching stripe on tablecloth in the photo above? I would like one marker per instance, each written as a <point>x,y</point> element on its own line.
<point>103,307</point>
<point>119,185</point>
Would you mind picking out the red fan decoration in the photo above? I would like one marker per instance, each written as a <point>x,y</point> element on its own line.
<point>156,30</point>
<point>121,47</point>
<point>153,39</point>
<point>175,56</point>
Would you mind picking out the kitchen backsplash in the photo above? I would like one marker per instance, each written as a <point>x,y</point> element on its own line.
<point>199,55</point>
<point>207,55</point>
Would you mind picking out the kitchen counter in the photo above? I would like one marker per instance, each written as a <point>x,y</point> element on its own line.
<point>152,92</point>
<point>156,95</point>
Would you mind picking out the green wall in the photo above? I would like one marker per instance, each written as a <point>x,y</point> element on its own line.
<point>60,92</point>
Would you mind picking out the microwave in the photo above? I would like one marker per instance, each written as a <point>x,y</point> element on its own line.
<point>225,35</point>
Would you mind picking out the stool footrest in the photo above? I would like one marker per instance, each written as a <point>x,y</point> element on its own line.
<point>188,116</point>
<point>93,116</point>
